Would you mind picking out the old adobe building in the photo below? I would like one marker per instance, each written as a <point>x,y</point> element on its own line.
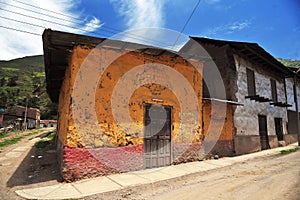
<point>134,115</point>
<point>259,97</point>
<point>91,149</point>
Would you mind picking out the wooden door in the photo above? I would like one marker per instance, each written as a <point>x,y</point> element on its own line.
<point>157,136</point>
<point>279,128</point>
<point>263,132</point>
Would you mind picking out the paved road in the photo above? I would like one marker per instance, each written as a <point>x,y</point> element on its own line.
<point>275,177</point>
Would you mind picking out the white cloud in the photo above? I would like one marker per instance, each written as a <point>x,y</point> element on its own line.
<point>92,25</point>
<point>16,44</point>
<point>212,1</point>
<point>227,28</point>
<point>139,15</point>
<point>238,26</point>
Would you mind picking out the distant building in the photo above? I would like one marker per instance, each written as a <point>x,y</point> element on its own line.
<point>48,123</point>
<point>32,118</point>
<point>17,118</point>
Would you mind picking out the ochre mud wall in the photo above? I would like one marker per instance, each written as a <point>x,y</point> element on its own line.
<point>220,130</point>
<point>87,153</point>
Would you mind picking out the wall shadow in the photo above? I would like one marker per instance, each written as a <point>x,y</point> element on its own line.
<point>39,165</point>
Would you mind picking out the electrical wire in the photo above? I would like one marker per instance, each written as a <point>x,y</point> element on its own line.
<point>22,22</point>
<point>52,16</point>
<point>52,22</point>
<point>187,21</point>
<point>104,28</point>
<point>190,17</point>
<point>27,4</point>
<point>62,14</point>
<point>19,30</point>
<point>109,29</point>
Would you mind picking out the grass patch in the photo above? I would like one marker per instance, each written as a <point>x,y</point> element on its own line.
<point>18,131</point>
<point>15,140</point>
<point>51,136</point>
<point>39,74</point>
<point>32,133</point>
<point>10,69</point>
<point>3,135</point>
<point>10,142</point>
<point>284,152</point>
<point>42,144</point>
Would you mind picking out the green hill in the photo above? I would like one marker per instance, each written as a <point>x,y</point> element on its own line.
<point>22,80</point>
<point>289,62</point>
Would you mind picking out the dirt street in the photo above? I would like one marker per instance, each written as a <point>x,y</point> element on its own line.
<point>23,165</point>
<point>272,177</point>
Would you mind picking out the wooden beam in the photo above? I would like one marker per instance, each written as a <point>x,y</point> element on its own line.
<point>266,60</point>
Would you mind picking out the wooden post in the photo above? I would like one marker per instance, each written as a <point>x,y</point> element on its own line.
<point>25,115</point>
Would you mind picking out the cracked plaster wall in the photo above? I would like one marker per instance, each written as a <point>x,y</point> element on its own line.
<point>112,135</point>
<point>246,117</point>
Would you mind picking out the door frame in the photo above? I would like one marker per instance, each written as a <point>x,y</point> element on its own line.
<point>276,119</point>
<point>266,134</point>
<point>171,128</point>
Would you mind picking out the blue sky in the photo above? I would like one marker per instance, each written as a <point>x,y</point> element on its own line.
<point>273,24</point>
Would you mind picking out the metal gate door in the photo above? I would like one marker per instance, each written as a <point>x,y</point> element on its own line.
<point>157,136</point>
<point>263,132</point>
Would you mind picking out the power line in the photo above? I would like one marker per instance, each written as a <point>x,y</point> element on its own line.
<point>103,27</point>
<point>188,20</point>
<point>69,16</point>
<point>62,14</point>
<point>190,17</point>
<point>22,22</point>
<point>19,30</point>
<point>52,22</point>
<point>52,16</point>
<point>109,30</point>
<point>95,32</point>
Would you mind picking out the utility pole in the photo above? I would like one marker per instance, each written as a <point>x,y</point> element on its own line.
<point>25,115</point>
<point>297,107</point>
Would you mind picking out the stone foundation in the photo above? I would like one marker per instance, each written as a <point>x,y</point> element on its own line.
<point>290,138</point>
<point>246,144</point>
<point>221,148</point>
<point>273,141</point>
<point>183,153</point>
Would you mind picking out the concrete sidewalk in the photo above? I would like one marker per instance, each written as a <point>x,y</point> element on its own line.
<point>121,181</point>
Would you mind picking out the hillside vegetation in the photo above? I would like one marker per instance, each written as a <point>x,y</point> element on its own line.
<point>289,62</point>
<point>23,80</point>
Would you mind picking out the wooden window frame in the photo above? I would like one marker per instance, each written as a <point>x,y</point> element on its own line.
<point>251,82</point>
<point>274,90</point>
